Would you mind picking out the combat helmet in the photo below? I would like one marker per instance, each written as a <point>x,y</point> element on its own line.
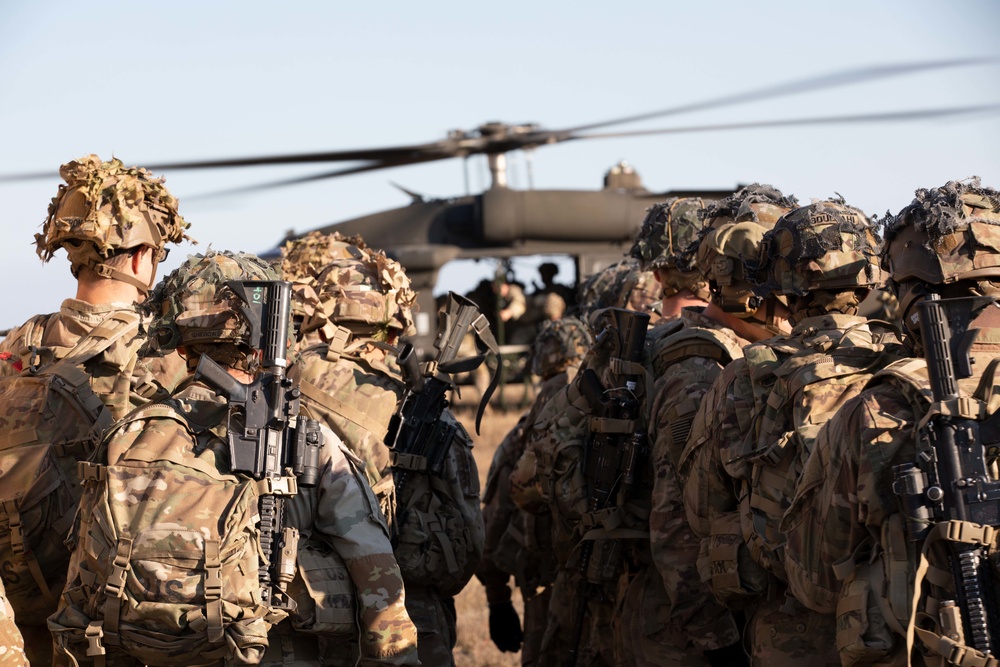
<point>193,308</point>
<point>560,344</point>
<point>104,208</point>
<point>668,228</point>
<point>305,257</point>
<point>822,256</point>
<point>607,287</point>
<point>368,295</point>
<point>946,235</point>
<point>729,245</point>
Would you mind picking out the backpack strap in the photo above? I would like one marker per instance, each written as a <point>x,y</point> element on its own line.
<point>345,410</point>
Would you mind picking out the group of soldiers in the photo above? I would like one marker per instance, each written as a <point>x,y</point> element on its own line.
<point>752,469</point>
<point>733,457</point>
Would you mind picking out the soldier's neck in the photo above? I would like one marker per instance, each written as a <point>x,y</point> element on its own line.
<point>672,305</point>
<point>105,291</point>
<point>745,329</point>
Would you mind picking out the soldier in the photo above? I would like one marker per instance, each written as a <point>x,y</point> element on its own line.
<point>114,223</point>
<point>758,422</point>
<point>197,315</point>
<point>350,381</point>
<point>519,543</point>
<point>565,431</point>
<point>855,547</point>
<point>686,357</point>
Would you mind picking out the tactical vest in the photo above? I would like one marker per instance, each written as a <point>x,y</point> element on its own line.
<point>796,389</point>
<point>55,412</point>
<point>898,591</point>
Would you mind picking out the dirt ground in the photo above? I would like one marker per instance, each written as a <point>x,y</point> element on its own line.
<point>474,648</point>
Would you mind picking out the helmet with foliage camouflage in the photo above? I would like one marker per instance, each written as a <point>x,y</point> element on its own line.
<point>104,208</point>
<point>370,295</point>
<point>621,285</point>
<point>825,251</point>
<point>729,244</point>
<point>668,228</point>
<point>193,308</point>
<point>607,287</point>
<point>560,343</point>
<point>305,257</point>
<point>946,235</point>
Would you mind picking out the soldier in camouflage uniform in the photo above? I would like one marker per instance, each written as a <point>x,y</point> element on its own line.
<point>848,551</point>
<point>519,543</point>
<point>564,431</point>
<point>685,358</point>
<point>757,423</point>
<point>339,515</point>
<point>114,223</point>
<point>358,309</point>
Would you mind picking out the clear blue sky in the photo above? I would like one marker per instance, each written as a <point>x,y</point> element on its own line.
<point>182,80</point>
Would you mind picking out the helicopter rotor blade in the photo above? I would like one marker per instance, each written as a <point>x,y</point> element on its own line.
<point>310,178</point>
<point>892,116</point>
<point>812,84</point>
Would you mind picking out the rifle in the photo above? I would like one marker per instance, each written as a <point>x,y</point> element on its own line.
<point>613,457</point>
<point>267,440</point>
<point>950,480</point>
<point>417,438</point>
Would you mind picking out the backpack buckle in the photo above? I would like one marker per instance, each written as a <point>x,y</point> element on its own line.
<point>94,634</point>
<point>115,586</point>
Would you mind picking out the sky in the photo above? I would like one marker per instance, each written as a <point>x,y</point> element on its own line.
<point>157,82</point>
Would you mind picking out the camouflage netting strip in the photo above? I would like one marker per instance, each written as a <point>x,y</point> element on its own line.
<point>306,257</point>
<point>740,205</point>
<point>826,244</point>
<point>106,200</point>
<point>941,211</point>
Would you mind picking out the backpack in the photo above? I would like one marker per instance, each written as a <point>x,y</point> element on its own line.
<point>796,391</point>
<point>439,522</point>
<point>166,565</point>
<point>355,396</point>
<point>897,592</point>
<point>52,418</point>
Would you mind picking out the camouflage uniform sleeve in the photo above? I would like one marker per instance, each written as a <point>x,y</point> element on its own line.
<point>11,643</point>
<point>674,545</point>
<point>525,481</point>
<point>498,510</point>
<point>557,443</point>
<point>344,512</point>
<point>708,490</point>
<point>845,492</point>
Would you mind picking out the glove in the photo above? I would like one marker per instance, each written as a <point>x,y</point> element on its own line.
<point>728,656</point>
<point>505,627</point>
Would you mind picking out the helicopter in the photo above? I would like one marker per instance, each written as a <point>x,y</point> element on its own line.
<point>594,228</point>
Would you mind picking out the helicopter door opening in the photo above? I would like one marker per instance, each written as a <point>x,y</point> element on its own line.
<point>517,295</point>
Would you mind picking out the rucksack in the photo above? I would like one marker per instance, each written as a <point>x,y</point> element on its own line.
<point>166,565</point>
<point>895,597</point>
<point>439,523</point>
<point>357,410</point>
<point>795,394</point>
<point>51,419</point>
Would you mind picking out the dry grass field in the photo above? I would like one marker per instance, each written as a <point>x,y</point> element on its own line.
<point>474,648</point>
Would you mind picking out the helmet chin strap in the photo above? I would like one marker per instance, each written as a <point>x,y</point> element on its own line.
<point>105,271</point>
